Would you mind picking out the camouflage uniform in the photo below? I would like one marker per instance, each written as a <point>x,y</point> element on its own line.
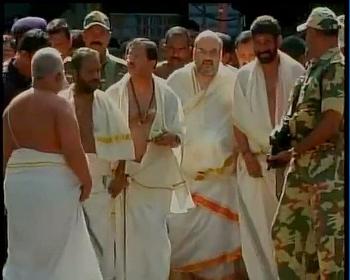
<point>112,71</point>
<point>113,68</point>
<point>308,230</point>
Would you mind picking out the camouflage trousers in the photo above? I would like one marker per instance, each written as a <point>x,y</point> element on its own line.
<point>308,229</point>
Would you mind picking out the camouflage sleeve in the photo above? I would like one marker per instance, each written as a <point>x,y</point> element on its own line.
<point>333,89</point>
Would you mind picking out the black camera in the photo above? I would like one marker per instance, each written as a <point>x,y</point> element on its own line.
<point>280,140</point>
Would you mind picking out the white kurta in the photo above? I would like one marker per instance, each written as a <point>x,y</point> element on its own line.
<point>47,234</point>
<point>257,196</point>
<point>206,240</point>
<point>156,188</point>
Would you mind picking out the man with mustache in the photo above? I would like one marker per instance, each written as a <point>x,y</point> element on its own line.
<point>96,35</point>
<point>154,184</point>
<point>260,99</point>
<point>177,51</point>
<point>89,103</point>
<point>205,241</point>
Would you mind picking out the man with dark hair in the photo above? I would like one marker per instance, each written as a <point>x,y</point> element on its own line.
<point>177,51</point>
<point>97,35</point>
<point>154,115</point>
<point>260,99</point>
<point>60,39</point>
<point>308,231</point>
<point>77,39</point>
<point>244,48</point>
<point>89,104</point>
<point>25,24</point>
<point>227,47</point>
<point>295,47</point>
<point>59,36</point>
<point>16,74</point>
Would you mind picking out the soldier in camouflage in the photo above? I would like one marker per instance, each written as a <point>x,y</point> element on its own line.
<point>96,35</point>
<point>308,230</point>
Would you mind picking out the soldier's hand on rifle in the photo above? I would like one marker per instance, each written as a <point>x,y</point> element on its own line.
<point>282,157</point>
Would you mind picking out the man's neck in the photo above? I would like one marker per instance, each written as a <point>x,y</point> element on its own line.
<point>142,84</point>
<point>323,49</point>
<point>271,68</point>
<point>204,80</point>
<point>81,92</point>
<point>42,88</point>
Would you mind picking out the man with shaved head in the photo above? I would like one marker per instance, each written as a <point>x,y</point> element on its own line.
<point>46,180</point>
<point>177,51</point>
<point>205,241</point>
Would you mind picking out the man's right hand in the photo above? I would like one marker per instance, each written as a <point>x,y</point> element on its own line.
<point>117,185</point>
<point>85,192</point>
<point>253,165</point>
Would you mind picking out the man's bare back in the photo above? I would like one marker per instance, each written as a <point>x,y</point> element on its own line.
<point>33,117</point>
<point>140,131</point>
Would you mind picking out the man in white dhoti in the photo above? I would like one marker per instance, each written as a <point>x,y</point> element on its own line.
<point>155,185</point>
<point>92,111</point>
<point>261,95</point>
<point>46,174</point>
<point>205,241</point>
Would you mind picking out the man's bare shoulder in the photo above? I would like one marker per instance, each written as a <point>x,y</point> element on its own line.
<point>65,93</point>
<point>60,100</point>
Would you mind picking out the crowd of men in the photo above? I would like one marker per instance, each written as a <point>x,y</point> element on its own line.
<point>223,161</point>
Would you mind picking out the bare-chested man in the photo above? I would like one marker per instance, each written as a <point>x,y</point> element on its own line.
<point>45,166</point>
<point>260,99</point>
<point>177,51</point>
<point>99,209</point>
<point>155,185</point>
